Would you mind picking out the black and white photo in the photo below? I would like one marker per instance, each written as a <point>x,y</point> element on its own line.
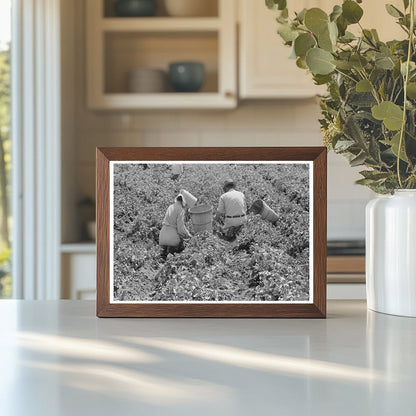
<point>186,231</point>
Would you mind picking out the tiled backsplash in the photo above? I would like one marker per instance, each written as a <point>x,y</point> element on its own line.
<point>258,123</point>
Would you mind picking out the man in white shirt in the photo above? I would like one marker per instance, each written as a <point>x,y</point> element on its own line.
<point>232,207</point>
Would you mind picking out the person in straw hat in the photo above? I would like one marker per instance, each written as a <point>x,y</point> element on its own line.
<point>233,209</point>
<point>174,230</point>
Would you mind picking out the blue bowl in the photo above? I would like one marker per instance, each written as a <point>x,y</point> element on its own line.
<point>135,8</point>
<point>186,76</point>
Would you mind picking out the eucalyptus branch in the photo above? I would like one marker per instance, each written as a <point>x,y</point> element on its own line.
<point>373,88</point>
<point>371,64</point>
<point>406,80</point>
<point>369,40</point>
<point>358,45</point>
<point>404,28</point>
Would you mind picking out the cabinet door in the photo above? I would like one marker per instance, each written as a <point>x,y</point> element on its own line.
<point>78,276</point>
<point>265,68</point>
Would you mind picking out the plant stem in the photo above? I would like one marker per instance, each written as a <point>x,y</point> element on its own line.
<point>373,88</point>
<point>346,75</point>
<point>392,91</point>
<point>405,81</point>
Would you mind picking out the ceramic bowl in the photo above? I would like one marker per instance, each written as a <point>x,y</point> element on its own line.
<point>186,76</point>
<point>147,80</point>
<point>135,8</point>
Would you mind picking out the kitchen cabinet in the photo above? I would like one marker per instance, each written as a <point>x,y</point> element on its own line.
<point>78,263</point>
<point>118,45</point>
<point>265,70</point>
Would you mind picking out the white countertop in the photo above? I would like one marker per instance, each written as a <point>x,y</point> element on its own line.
<point>57,358</point>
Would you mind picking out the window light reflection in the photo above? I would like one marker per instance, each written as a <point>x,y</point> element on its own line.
<point>126,383</point>
<point>262,361</point>
<point>83,348</point>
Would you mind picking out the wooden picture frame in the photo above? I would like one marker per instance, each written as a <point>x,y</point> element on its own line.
<point>314,307</point>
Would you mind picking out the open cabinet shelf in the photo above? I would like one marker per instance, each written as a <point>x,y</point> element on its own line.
<point>116,46</point>
<point>160,24</point>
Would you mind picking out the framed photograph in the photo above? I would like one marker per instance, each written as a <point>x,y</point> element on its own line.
<point>211,232</point>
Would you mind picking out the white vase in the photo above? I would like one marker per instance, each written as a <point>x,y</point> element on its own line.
<point>391,253</point>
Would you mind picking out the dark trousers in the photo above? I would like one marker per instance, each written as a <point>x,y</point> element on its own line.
<point>171,250</point>
<point>230,234</point>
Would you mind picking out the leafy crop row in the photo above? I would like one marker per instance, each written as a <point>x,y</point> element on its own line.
<point>265,263</point>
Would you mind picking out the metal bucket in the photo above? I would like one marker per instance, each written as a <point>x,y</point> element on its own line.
<point>266,213</point>
<point>201,217</point>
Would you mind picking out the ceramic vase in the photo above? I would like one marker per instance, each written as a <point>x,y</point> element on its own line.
<point>391,253</point>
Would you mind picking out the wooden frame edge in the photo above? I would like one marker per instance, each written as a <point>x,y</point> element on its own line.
<point>320,230</point>
<point>103,230</point>
<point>317,309</point>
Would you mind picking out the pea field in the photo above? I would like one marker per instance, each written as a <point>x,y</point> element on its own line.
<point>266,262</point>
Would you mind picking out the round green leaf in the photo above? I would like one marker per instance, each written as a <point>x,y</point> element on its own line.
<point>342,25</point>
<point>363,86</point>
<point>344,65</point>
<point>391,114</point>
<point>328,38</point>
<point>333,32</point>
<point>319,61</point>
<point>322,79</point>
<point>394,145</point>
<point>301,63</point>
<point>412,67</point>
<point>375,35</point>
<point>411,90</point>
<point>347,37</point>
<point>393,11</point>
<point>301,15</point>
<point>276,4</point>
<point>336,12</point>
<point>358,61</point>
<point>287,33</point>
<point>324,41</point>
<point>384,62</point>
<point>316,20</point>
<point>351,11</point>
<point>303,43</point>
